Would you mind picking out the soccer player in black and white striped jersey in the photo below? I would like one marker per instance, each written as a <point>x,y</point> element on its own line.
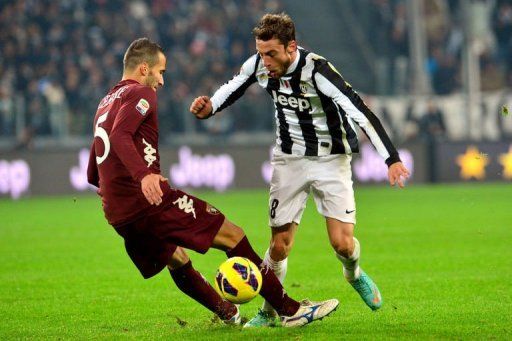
<point>316,113</point>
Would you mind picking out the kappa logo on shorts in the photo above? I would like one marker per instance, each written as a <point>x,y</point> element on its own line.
<point>186,204</point>
<point>142,106</point>
<point>212,210</point>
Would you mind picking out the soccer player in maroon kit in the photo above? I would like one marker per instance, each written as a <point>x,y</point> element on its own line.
<point>155,220</point>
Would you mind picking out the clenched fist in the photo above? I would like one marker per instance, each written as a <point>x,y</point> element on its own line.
<point>201,107</point>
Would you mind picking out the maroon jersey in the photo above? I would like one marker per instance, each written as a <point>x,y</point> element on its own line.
<point>125,150</point>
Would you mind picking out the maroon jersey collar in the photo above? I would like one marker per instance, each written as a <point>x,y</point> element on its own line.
<point>127,81</point>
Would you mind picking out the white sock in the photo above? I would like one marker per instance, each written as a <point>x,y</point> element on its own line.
<point>279,269</point>
<point>351,269</point>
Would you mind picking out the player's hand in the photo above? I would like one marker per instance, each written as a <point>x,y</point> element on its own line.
<point>201,107</point>
<point>397,173</point>
<point>150,186</point>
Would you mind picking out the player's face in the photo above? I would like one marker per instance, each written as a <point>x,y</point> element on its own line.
<point>276,57</point>
<point>155,76</point>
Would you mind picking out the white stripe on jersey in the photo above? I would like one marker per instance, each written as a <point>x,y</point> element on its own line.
<point>353,113</point>
<point>237,82</point>
<point>228,90</point>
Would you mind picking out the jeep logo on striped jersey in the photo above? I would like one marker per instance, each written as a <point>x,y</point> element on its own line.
<point>291,102</point>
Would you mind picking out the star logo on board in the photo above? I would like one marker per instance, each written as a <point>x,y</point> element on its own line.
<point>506,162</point>
<point>472,164</point>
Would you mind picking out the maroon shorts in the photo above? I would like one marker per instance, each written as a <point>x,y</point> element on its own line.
<point>184,221</point>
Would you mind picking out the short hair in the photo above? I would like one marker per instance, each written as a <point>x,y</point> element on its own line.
<point>141,50</point>
<point>278,26</point>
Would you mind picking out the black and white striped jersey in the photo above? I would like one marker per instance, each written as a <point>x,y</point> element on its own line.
<point>315,108</point>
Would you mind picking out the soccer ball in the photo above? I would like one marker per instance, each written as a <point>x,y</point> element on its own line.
<point>238,280</point>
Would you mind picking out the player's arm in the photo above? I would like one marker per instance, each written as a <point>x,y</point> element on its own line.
<point>204,107</point>
<point>128,119</point>
<point>92,168</point>
<point>331,83</point>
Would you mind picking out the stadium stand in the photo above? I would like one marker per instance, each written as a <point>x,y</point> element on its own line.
<point>57,58</point>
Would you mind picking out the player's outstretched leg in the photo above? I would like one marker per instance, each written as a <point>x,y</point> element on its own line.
<point>194,285</point>
<point>276,258</point>
<point>267,316</point>
<point>359,280</point>
<point>291,312</point>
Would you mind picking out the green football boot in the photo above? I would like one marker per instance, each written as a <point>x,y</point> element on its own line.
<point>368,291</point>
<point>262,319</point>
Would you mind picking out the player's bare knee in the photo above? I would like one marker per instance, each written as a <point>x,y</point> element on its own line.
<point>279,249</point>
<point>178,259</point>
<point>343,246</point>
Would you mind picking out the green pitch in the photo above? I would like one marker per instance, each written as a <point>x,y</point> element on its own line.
<point>441,255</point>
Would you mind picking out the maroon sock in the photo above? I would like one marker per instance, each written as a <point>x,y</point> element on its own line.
<point>194,285</point>
<point>271,289</point>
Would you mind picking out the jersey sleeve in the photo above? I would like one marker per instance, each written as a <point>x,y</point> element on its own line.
<point>138,106</point>
<point>330,82</point>
<point>231,91</point>
<point>92,169</point>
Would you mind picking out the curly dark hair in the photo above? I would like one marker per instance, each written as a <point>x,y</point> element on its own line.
<point>278,26</point>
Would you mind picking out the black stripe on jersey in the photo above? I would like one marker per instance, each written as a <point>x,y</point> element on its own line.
<point>333,119</point>
<point>284,133</point>
<point>241,90</point>
<point>305,119</point>
<point>332,76</point>
<point>350,133</point>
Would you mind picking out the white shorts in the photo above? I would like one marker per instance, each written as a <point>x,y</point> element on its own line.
<point>294,177</point>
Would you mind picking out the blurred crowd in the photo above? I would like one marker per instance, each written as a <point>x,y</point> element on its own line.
<point>489,20</point>
<point>59,57</point>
